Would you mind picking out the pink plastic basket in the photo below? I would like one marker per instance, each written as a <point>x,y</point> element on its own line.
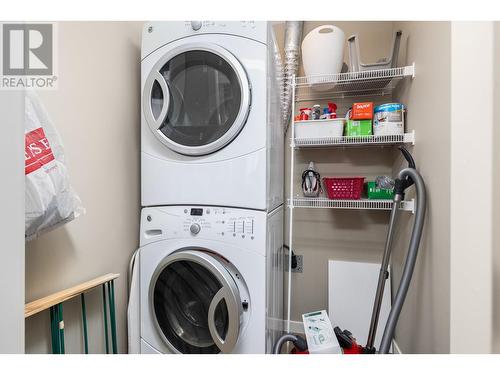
<point>343,187</point>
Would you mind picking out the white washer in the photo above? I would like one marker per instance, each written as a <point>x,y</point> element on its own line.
<point>210,121</point>
<point>207,280</point>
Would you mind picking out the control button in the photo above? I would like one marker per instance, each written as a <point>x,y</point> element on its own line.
<point>196,25</point>
<point>185,211</point>
<point>208,211</point>
<point>195,228</point>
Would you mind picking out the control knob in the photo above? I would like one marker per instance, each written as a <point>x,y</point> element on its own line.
<point>195,228</point>
<point>196,25</point>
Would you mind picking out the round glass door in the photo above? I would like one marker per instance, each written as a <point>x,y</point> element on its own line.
<point>196,304</point>
<point>197,99</point>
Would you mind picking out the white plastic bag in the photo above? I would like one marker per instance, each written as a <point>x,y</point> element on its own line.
<point>50,200</point>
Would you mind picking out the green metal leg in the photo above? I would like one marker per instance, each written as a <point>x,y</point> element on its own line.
<point>53,330</point>
<point>57,329</point>
<point>105,309</point>
<point>60,327</point>
<point>84,319</point>
<point>111,296</point>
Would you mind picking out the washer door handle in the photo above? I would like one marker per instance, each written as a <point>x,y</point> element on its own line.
<point>226,344</point>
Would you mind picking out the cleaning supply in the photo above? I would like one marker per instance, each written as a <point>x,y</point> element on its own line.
<point>362,111</point>
<point>388,119</point>
<point>332,109</point>
<point>373,191</point>
<point>305,113</point>
<point>358,128</point>
<point>321,338</point>
<point>316,112</point>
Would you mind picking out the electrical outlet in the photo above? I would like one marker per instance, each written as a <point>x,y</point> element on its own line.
<point>297,261</point>
<point>300,264</point>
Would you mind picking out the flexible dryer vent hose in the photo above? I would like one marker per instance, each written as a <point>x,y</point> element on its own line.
<point>293,38</point>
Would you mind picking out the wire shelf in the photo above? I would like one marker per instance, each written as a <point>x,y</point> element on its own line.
<point>361,204</point>
<point>343,85</point>
<point>356,141</point>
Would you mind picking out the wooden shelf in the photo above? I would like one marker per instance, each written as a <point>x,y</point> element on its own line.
<point>44,303</point>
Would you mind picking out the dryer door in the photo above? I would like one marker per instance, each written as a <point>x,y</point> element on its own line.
<point>196,303</point>
<point>197,98</point>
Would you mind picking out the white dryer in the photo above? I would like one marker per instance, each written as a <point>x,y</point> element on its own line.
<point>210,121</point>
<point>207,280</point>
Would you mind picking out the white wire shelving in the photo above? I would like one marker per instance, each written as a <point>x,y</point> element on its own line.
<point>349,204</point>
<point>353,84</point>
<point>356,141</point>
<point>320,88</point>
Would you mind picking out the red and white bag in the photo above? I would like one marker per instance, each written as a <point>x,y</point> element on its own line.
<point>50,200</point>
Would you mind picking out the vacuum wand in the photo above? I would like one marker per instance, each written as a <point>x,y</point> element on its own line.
<point>383,274</point>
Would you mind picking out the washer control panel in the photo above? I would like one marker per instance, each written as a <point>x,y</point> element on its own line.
<point>217,223</point>
<point>220,222</point>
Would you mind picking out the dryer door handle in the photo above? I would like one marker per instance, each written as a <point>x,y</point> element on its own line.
<point>148,99</point>
<point>226,344</point>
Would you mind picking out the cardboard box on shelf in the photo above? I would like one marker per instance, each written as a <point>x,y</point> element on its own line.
<point>358,128</point>
<point>362,111</point>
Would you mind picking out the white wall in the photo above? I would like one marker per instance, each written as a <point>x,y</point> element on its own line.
<point>471,177</point>
<point>96,111</point>
<point>12,222</point>
<point>496,197</point>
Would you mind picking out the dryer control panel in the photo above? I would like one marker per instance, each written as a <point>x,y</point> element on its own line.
<point>215,223</point>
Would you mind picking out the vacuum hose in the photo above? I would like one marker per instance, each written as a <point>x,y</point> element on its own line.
<point>298,341</point>
<point>411,258</point>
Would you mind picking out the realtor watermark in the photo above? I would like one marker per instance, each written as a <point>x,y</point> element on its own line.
<point>28,56</point>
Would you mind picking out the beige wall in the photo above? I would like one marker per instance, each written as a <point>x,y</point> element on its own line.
<point>96,111</point>
<point>424,322</point>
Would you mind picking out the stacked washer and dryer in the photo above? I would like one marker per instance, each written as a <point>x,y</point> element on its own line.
<point>208,276</point>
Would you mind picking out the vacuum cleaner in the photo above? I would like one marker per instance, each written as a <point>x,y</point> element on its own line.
<point>407,177</point>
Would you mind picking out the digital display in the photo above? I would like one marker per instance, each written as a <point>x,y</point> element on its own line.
<point>196,211</point>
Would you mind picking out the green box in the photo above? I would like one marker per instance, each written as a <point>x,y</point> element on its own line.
<point>373,192</point>
<point>358,128</point>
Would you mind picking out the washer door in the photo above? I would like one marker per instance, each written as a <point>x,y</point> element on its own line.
<point>197,98</point>
<point>196,303</point>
